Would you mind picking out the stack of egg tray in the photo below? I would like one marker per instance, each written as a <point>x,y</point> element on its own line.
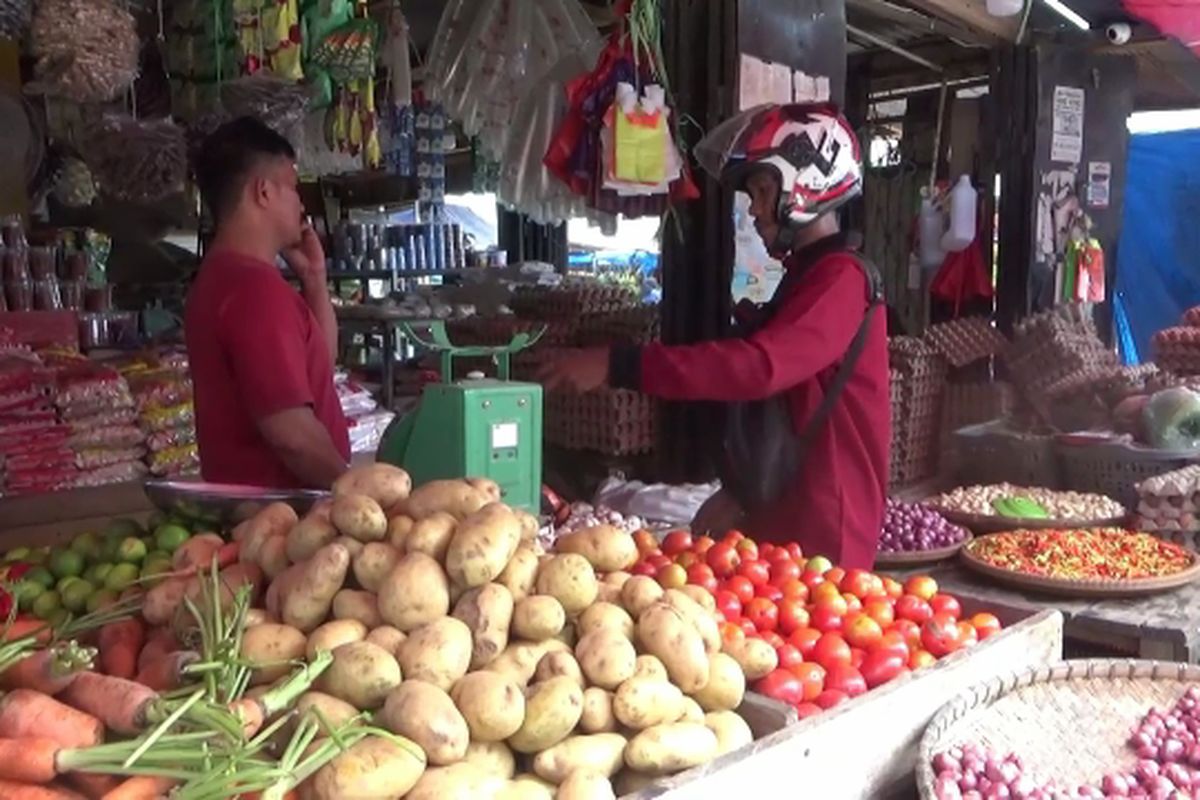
<point>918,375</point>
<point>571,303</point>
<point>613,422</point>
<point>967,340</point>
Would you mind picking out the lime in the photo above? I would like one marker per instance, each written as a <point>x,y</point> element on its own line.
<point>121,577</point>
<point>38,555</point>
<point>169,537</point>
<point>66,562</point>
<point>63,583</point>
<point>25,592</point>
<point>46,604</point>
<point>155,519</point>
<point>58,617</point>
<point>131,550</point>
<point>87,545</point>
<point>120,528</point>
<point>40,575</point>
<point>17,554</point>
<point>96,573</point>
<point>75,596</point>
<point>101,599</point>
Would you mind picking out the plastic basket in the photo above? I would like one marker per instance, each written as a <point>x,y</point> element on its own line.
<point>992,453</point>
<point>1115,468</point>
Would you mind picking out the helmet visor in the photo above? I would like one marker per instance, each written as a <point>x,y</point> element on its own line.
<point>724,146</point>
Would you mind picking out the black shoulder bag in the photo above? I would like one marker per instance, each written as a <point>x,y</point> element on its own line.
<point>762,451</point>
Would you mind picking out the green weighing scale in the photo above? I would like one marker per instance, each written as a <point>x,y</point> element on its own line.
<point>478,427</point>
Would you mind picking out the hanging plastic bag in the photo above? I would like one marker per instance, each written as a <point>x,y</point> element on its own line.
<point>1088,258</point>
<point>640,136</point>
<point>1173,419</point>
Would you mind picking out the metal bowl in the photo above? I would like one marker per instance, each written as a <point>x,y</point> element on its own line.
<point>224,503</point>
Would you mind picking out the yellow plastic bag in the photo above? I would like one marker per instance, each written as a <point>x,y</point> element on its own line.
<point>640,146</point>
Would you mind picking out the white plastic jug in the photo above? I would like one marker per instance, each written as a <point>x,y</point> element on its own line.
<point>1005,8</point>
<point>963,214</point>
<point>931,229</point>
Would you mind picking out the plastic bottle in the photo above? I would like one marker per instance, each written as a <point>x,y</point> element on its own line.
<point>1005,8</point>
<point>963,210</point>
<point>931,227</point>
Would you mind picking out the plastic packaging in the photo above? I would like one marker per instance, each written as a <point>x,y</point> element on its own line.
<point>172,437</point>
<point>932,227</point>
<point>123,472</point>
<point>1173,419</point>
<point>175,460</point>
<point>118,436</point>
<point>93,458</point>
<point>160,419</point>
<point>963,205</point>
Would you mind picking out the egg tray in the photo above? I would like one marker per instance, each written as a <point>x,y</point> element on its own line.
<point>609,421</point>
<point>975,403</point>
<point>967,340</point>
<point>633,326</point>
<point>545,303</point>
<point>497,331</point>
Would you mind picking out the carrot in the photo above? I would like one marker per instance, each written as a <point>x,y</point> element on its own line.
<point>93,784</point>
<point>29,760</point>
<point>120,704</point>
<point>168,671</point>
<point>48,671</point>
<point>120,644</point>
<point>159,642</point>
<point>142,787</point>
<point>15,790</point>
<point>25,713</point>
<point>26,626</point>
<point>228,554</point>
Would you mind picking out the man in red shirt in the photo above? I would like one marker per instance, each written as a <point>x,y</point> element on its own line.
<point>261,354</point>
<point>806,450</point>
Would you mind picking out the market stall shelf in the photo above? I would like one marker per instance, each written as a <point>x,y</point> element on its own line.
<point>1038,714</point>
<point>918,557</point>
<point>868,747</point>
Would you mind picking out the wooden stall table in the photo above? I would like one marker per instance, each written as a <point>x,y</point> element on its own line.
<point>1163,626</point>
<point>53,517</point>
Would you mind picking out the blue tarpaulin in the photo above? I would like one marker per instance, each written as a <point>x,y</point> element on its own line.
<point>1158,255</point>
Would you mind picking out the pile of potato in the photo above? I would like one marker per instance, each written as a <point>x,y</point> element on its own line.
<point>507,673</point>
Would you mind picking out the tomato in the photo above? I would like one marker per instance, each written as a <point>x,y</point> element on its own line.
<point>728,604</point>
<point>914,609</point>
<point>945,604</point>
<point>792,616</point>
<point>747,626</point>
<point>806,710</point>
<point>893,588</point>
<point>862,631</point>
<point>676,542</point>
<point>733,536</point>
<point>893,642</point>
<point>658,560</point>
<point>777,555</point>
<point>785,570</point>
<point>819,564</point>
<point>834,605</point>
<point>830,698</point>
<point>853,604</point>
<point>795,590</point>
<point>825,620</point>
<point>831,649</point>
<point>672,576</point>
<point>765,551</point>
<point>795,552</point>
<point>782,685</point>
<point>732,633</point>
<point>812,676</point>
<point>644,568</point>
<point>940,635</point>
<point>967,635</point>
<point>857,582</point>
<point>687,559</point>
<point>910,630</point>
<point>835,575</point>
<point>985,625</point>
<point>805,640</point>
<point>757,572</point>
<point>856,657</point>
<point>789,656</point>
<point>645,541</point>
<point>701,574</point>
<point>763,613</point>
<point>921,659</point>
<point>824,592</point>
<point>741,587</point>
<point>881,610</point>
<point>921,586</point>
<point>702,544</point>
<point>747,549</point>
<point>845,678</point>
<point>772,638</point>
<point>882,666</point>
<point>723,559</point>
<point>772,593</point>
<point>812,579</point>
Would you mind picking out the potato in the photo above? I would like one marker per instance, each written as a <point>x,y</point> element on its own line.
<point>692,712</point>
<point>482,546</point>
<point>272,650</point>
<point>373,768</point>
<point>672,747</point>
<point>642,703</point>
<point>607,548</point>
<point>336,712</point>
<point>519,660</point>
<point>607,658</point>
<point>527,787</point>
<point>663,631</point>
<point>557,664</point>
<point>552,710</point>
<point>520,574</point>
<point>272,556</point>
<point>487,611</point>
<point>756,658</point>
<point>701,596</point>
<point>307,589</point>
<point>362,674</point>
<point>597,714</point>
<point>617,578</point>
<point>257,616</point>
<point>431,535</point>
<point>437,653</point>
<point>455,497</point>
<point>272,519</point>
<point>702,620</point>
<point>310,534</point>
<point>600,753</point>
<point>570,579</point>
<point>629,782</point>
<point>160,602</point>
<point>353,546</point>
<point>488,488</point>
<point>608,593</point>
<point>494,758</point>
<point>538,617</point>
<point>456,782</point>
<point>359,517</point>
<point>374,563</point>
<point>639,593</point>
<point>333,635</point>
<point>726,684</point>
<point>424,713</point>
<point>361,606</point>
<point>583,785</point>
<point>529,525</point>
<point>650,667</point>
<point>388,638</point>
<point>415,593</point>
<point>600,616</point>
<point>731,730</point>
<point>398,530</point>
<point>492,705</point>
<point>387,485</point>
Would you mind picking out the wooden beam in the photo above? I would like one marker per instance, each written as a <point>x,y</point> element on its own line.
<point>972,15</point>
<point>917,22</point>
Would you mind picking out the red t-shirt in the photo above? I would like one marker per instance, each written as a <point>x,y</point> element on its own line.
<point>836,506</point>
<point>255,349</point>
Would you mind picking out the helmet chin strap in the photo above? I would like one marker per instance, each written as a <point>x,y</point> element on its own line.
<point>785,240</point>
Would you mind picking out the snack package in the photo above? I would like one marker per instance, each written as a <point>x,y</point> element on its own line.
<point>112,436</point>
<point>121,472</point>
<point>92,458</point>
<point>160,419</point>
<point>175,460</point>
<point>171,437</point>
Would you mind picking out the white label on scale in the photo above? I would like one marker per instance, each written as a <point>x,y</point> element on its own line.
<point>504,435</point>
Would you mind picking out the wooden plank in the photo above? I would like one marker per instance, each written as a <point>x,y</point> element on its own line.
<point>56,508</point>
<point>917,22</point>
<point>972,15</point>
<point>867,747</point>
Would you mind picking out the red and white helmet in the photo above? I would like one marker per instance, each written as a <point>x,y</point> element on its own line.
<point>811,148</point>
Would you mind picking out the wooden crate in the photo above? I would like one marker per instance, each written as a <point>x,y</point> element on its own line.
<point>867,747</point>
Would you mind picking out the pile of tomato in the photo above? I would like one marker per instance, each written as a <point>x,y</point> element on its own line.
<point>837,633</point>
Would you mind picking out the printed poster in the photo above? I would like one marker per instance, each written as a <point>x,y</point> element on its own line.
<point>1099,184</point>
<point>1067,143</point>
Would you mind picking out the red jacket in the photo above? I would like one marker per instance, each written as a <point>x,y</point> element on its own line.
<point>836,508</point>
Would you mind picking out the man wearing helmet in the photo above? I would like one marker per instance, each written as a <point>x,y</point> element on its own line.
<point>805,452</point>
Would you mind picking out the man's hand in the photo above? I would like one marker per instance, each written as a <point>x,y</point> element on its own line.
<point>576,371</point>
<point>307,258</point>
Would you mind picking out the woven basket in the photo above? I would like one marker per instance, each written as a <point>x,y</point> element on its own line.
<point>1115,469</point>
<point>991,453</point>
<point>1041,715</point>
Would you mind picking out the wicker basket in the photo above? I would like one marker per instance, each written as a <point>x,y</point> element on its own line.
<point>1115,469</point>
<point>992,453</point>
